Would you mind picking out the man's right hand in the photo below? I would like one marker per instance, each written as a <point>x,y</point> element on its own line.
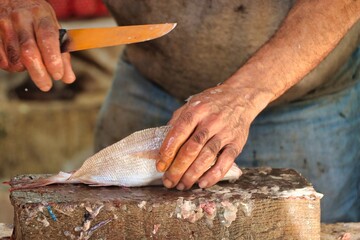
<point>29,40</point>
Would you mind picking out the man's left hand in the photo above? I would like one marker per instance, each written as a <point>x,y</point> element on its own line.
<point>207,134</point>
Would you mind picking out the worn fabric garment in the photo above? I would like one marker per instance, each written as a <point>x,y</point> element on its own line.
<point>319,137</point>
<point>213,39</point>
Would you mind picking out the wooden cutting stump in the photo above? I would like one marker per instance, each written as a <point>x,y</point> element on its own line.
<point>264,203</point>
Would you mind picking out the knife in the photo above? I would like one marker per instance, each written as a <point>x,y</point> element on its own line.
<point>80,39</point>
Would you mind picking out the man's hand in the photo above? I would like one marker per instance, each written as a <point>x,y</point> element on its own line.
<point>29,39</point>
<point>211,129</point>
<point>207,134</point>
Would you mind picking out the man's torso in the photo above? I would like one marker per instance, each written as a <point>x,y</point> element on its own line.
<point>212,40</point>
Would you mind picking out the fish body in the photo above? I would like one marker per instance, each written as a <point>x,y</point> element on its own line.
<point>131,162</point>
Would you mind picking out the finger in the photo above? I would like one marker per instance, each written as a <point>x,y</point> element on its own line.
<point>185,157</point>
<point>3,59</point>
<point>31,58</point>
<point>202,163</point>
<point>221,167</point>
<point>47,36</point>
<point>178,112</point>
<point>11,46</point>
<point>30,54</point>
<point>178,134</point>
<point>69,75</point>
<point>4,12</point>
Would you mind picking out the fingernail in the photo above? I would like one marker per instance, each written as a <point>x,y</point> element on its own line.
<point>161,166</point>
<point>203,184</point>
<point>72,77</point>
<point>57,76</point>
<point>167,183</point>
<point>45,88</point>
<point>180,187</point>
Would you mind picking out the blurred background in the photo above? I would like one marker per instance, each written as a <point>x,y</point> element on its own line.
<point>48,132</point>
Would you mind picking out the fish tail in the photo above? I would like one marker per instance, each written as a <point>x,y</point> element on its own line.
<point>6,182</point>
<point>34,184</point>
<point>61,177</point>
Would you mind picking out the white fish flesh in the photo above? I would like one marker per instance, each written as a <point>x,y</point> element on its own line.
<point>129,163</point>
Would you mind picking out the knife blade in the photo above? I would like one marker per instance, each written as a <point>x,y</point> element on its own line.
<point>87,38</point>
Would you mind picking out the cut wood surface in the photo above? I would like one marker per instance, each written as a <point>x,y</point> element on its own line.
<point>264,203</point>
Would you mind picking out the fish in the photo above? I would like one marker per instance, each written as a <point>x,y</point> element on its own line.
<point>130,162</point>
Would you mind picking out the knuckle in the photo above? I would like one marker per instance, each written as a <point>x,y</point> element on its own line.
<point>46,23</point>
<point>186,118</point>
<point>24,38</point>
<point>173,177</point>
<point>201,136</point>
<point>35,8</point>
<point>167,155</point>
<point>221,171</point>
<point>13,54</point>
<point>214,146</point>
<point>190,177</point>
<point>176,170</point>
<point>196,171</point>
<point>205,158</point>
<point>216,173</point>
<point>192,148</point>
<point>202,164</point>
<point>232,151</point>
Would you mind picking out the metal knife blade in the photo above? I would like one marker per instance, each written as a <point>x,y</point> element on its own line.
<point>80,39</point>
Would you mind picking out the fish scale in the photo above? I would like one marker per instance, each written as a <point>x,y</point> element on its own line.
<point>111,165</point>
<point>131,162</point>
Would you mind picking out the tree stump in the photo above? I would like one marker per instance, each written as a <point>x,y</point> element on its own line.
<point>264,203</point>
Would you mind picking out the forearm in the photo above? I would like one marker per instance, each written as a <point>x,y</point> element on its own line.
<point>309,33</point>
<point>214,124</point>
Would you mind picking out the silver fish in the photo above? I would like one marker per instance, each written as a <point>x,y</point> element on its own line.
<point>129,163</point>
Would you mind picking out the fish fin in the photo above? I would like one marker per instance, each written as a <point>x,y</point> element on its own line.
<point>61,177</point>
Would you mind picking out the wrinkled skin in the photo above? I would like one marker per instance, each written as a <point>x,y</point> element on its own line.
<point>211,129</point>
<point>212,125</point>
<point>29,41</point>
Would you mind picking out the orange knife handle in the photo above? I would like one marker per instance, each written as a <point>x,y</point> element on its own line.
<point>64,41</point>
